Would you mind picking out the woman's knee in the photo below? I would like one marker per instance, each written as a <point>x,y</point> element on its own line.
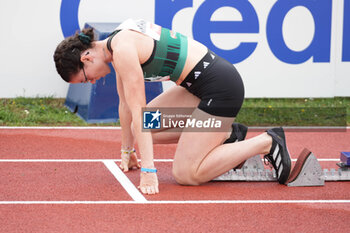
<point>184,176</point>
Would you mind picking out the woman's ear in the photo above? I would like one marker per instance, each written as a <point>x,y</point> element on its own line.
<point>86,56</point>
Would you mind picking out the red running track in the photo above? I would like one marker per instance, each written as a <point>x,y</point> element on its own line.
<point>105,206</point>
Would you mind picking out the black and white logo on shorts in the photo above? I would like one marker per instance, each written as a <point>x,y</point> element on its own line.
<point>196,74</point>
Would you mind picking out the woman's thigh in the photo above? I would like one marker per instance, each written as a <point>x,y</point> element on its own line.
<point>194,146</point>
<point>172,100</point>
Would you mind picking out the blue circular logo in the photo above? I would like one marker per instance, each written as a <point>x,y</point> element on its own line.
<point>69,17</point>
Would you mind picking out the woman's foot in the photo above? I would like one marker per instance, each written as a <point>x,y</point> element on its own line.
<point>279,156</point>
<point>239,131</point>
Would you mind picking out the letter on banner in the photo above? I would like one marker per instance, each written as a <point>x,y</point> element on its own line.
<point>203,27</point>
<point>346,31</point>
<point>320,46</point>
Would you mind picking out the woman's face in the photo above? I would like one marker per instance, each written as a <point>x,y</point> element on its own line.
<point>94,69</point>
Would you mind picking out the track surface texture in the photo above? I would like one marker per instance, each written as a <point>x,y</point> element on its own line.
<point>66,180</point>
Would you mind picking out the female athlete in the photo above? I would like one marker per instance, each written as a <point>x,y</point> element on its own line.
<point>141,51</point>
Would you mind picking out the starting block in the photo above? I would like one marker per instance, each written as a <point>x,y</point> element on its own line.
<point>252,170</point>
<point>306,172</point>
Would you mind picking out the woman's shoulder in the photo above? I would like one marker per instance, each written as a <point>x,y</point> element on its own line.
<point>125,35</point>
<point>127,42</point>
<point>124,38</point>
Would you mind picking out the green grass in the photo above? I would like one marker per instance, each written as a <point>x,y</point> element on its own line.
<point>255,112</point>
<point>37,112</point>
<point>296,112</point>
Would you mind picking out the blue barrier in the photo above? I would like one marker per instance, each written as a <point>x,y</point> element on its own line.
<point>98,103</point>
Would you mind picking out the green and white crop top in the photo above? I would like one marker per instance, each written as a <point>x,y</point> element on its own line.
<point>169,52</point>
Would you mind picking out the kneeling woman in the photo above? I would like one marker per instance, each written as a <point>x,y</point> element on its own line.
<point>141,51</point>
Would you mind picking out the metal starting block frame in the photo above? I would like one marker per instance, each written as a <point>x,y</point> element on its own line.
<point>306,172</point>
<point>252,170</point>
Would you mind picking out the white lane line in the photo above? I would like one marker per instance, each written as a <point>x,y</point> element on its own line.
<point>177,202</point>
<point>71,160</point>
<point>301,127</point>
<point>102,160</point>
<point>58,160</point>
<point>125,182</point>
<point>62,127</point>
<point>118,127</point>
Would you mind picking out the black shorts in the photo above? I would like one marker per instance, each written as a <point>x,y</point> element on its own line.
<point>218,84</point>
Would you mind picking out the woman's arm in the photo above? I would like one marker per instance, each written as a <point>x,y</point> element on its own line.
<point>125,117</point>
<point>127,64</point>
<point>129,160</point>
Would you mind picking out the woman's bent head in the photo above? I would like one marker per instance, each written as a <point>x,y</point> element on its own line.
<point>68,53</point>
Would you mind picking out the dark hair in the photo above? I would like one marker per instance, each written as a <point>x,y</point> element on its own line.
<point>67,53</point>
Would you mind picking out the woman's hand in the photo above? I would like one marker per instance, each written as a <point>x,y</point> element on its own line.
<point>129,161</point>
<point>148,183</point>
